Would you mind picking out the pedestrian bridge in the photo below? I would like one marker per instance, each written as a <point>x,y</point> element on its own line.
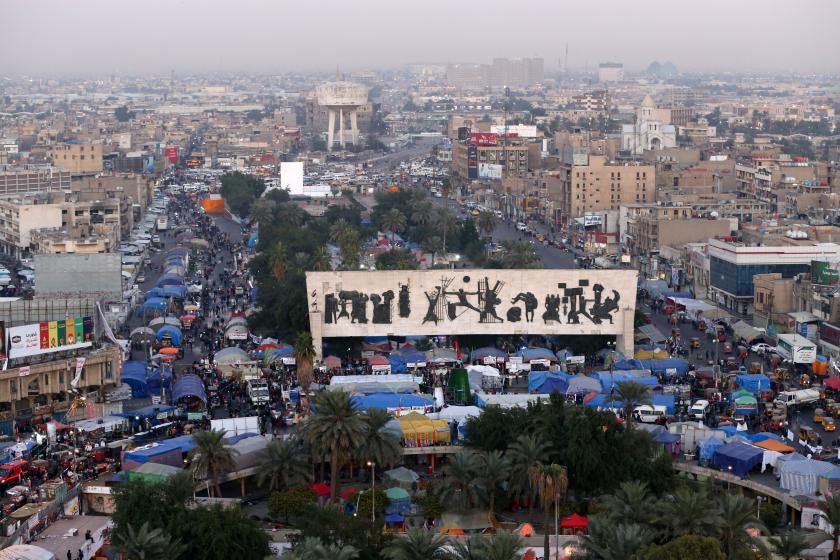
<point>775,493</point>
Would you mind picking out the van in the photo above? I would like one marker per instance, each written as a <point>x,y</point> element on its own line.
<point>699,410</point>
<point>650,414</point>
<point>12,472</point>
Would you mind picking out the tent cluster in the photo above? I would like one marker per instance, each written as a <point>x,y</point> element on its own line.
<point>145,380</point>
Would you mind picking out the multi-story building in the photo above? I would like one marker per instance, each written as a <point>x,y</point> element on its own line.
<point>28,179</point>
<point>502,72</point>
<point>610,72</point>
<point>19,217</point>
<point>649,132</point>
<point>592,183</point>
<point>60,241</point>
<point>733,265</point>
<point>78,157</point>
<point>597,101</point>
<point>468,159</point>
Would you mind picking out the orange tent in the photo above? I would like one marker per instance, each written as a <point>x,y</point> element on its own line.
<point>526,530</point>
<point>169,350</point>
<point>771,444</point>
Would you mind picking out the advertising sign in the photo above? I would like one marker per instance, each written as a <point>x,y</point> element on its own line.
<point>483,138</point>
<point>576,360</point>
<point>490,360</point>
<point>591,220</point>
<point>489,171</point>
<point>824,274</point>
<point>172,154</point>
<point>50,336</point>
<point>472,162</point>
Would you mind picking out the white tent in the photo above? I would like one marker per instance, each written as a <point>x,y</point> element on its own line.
<point>25,552</point>
<point>108,423</point>
<point>391,383</point>
<point>456,413</point>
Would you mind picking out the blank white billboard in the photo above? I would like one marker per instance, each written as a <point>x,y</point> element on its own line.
<point>291,176</point>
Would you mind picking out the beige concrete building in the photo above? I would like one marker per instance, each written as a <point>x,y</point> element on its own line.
<point>515,159</point>
<point>19,217</point>
<point>592,183</point>
<point>774,298</point>
<point>77,157</point>
<point>28,179</point>
<point>647,228</point>
<point>60,241</point>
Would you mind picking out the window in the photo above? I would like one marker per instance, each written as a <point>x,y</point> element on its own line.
<point>109,370</point>
<point>61,378</point>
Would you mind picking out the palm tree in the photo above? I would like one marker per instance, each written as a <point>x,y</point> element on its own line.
<point>350,245</point>
<point>524,453</point>
<point>609,541</point>
<point>737,514</point>
<point>420,545</point>
<point>486,222</point>
<point>338,229</point>
<point>631,503</point>
<point>689,512</point>
<point>520,254</point>
<point>552,482</point>
<point>446,222</point>
<point>380,445</point>
<point>504,545</point>
<point>278,260</point>
<point>422,213</point>
<point>283,464</point>
<point>473,548</point>
<point>311,548</point>
<point>493,469</point>
<point>337,426</point>
<point>632,394</point>
<point>789,544</point>
<point>458,485</point>
<point>320,260</point>
<point>304,358</point>
<point>263,211</point>
<point>149,544</point>
<point>831,510</point>
<point>292,214</point>
<point>393,222</point>
<point>211,456</point>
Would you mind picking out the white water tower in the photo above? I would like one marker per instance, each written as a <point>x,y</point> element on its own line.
<point>340,98</point>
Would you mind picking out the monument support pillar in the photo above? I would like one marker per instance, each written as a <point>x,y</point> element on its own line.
<point>624,341</point>
<point>354,126</point>
<point>330,129</point>
<point>341,127</point>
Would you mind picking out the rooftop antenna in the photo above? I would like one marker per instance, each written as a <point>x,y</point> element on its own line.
<point>566,63</point>
<point>337,74</point>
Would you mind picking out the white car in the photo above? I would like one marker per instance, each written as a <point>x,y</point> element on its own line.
<point>763,348</point>
<point>521,226</point>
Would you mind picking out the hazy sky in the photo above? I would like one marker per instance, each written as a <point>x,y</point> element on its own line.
<point>67,37</point>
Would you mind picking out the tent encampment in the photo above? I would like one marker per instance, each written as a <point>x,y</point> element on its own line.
<point>738,457</point>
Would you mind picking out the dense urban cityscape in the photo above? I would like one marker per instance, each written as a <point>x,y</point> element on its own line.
<point>404,296</point>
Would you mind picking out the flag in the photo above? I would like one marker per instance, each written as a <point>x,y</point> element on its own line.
<point>457,350</point>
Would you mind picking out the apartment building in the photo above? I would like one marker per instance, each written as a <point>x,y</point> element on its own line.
<point>19,217</point>
<point>60,241</point>
<point>468,159</point>
<point>597,101</point>
<point>28,179</point>
<point>610,72</point>
<point>78,157</point>
<point>591,183</point>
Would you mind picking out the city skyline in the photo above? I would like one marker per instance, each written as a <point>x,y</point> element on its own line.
<point>107,38</point>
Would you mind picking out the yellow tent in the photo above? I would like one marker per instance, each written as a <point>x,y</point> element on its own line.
<point>656,354</point>
<point>420,431</point>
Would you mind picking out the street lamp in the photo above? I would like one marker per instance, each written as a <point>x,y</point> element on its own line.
<point>372,466</point>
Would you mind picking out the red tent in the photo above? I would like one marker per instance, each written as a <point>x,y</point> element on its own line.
<point>320,489</point>
<point>347,493</point>
<point>332,362</point>
<point>575,521</point>
<point>378,361</point>
<point>833,383</point>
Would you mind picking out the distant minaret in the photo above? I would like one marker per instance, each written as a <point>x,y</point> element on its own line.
<point>566,63</point>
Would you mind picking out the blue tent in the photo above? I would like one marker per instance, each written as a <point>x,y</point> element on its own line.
<point>664,400</point>
<point>178,292</point>
<point>189,385</point>
<point>529,354</point>
<point>170,280</point>
<point>667,367</point>
<point>412,356</point>
<point>481,353</point>
<point>666,438</point>
<point>154,293</point>
<point>154,304</point>
<point>172,332</point>
<point>753,382</point>
<point>739,458</point>
<point>708,445</point>
<point>763,436</point>
<point>671,294</point>
<point>546,382</point>
<point>253,240</point>
<point>134,375</point>
<point>397,364</point>
<point>148,412</point>
<point>730,431</point>
<point>607,379</point>
<point>156,377</point>
<point>391,400</point>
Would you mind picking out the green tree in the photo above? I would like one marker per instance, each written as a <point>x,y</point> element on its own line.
<point>290,503</point>
<point>304,361</point>
<point>688,512</point>
<point>349,247</point>
<point>457,489</point>
<point>493,469</point>
<point>313,549</point>
<point>487,222</point>
<point>149,544</point>
<point>789,544</point>
<point>365,503</point>
<point>263,211</point>
<point>687,547</point>
<point>279,260</point>
<point>527,451</point>
<point>420,544</point>
<point>320,260</point>
<point>339,229</point>
<point>291,214</point>
<point>609,541</point>
<point>632,394</point>
<point>380,444</point>
<point>337,426</point>
<point>393,222</point>
<point>631,503</point>
<point>445,222</point>
<point>397,259</point>
<point>831,510</point>
<point>504,545</point>
<point>737,515</point>
<point>211,456</point>
<point>521,254</point>
<point>139,502</point>
<point>422,213</point>
<point>123,114</point>
<point>430,503</point>
<point>552,483</point>
<point>283,464</point>
<point>220,533</point>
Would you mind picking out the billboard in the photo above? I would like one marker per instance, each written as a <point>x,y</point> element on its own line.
<point>489,171</point>
<point>69,276</point>
<point>449,302</point>
<point>472,161</point>
<point>172,154</point>
<point>483,138</point>
<point>50,336</point>
<point>291,176</point>
<point>824,273</point>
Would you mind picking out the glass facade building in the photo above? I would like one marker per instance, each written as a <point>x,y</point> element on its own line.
<point>737,279</point>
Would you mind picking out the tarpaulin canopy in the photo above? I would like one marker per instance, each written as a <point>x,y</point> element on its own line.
<point>692,306</point>
<point>666,438</point>
<point>773,445</point>
<point>402,476</point>
<point>418,430</point>
<point>753,382</point>
<point>172,332</point>
<point>170,279</point>
<point>481,353</point>
<point>134,375</point>
<point>396,493</point>
<point>155,377</point>
<point>747,332</point>
<point>412,357</point>
<point>189,385</point>
<point>141,332</point>
<point>455,413</point>
<point>607,380</point>
<point>653,334</point>
<point>153,472</point>
<point>158,322</point>
<point>667,367</point>
<point>583,384</point>
<point>368,384</point>
<point>574,521</point>
<point>530,354</point>
<point>392,401</point>
<point>833,383</point>
<point>177,292</point>
<point>332,362</point>
<point>397,363</point>
<point>149,412</point>
<point>708,445</point>
<point>738,458</point>
<point>546,382</point>
<point>154,304</point>
<point>231,355</point>
<point>761,436</point>
<point>784,459</point>
<point>441,356</point>
<point>802,477</point>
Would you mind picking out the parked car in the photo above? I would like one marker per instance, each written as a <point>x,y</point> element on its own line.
<point>141,278</point>
<point>762,348</point>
